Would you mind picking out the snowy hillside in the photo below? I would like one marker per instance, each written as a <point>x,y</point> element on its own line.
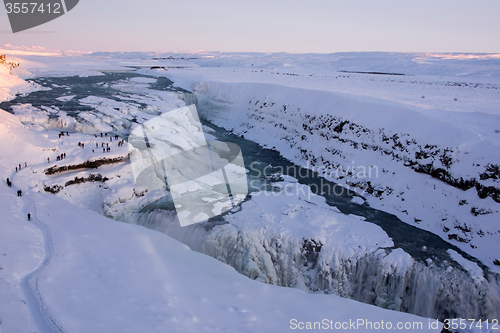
<point>72,270</point>
<point>423,146</point>
<point>11,84</point>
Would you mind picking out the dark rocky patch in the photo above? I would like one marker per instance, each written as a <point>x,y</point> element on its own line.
<point>85,165</point>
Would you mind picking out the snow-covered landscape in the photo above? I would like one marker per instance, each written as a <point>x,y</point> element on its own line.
<point>374,193</point>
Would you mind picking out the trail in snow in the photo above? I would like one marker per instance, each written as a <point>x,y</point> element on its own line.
<point>29,284</point>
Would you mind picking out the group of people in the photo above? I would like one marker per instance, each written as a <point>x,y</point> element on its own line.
<point>106,135</point>
<point>105,147</point>
<point>19,192</point>
<point>61,157</point>
<point>120,143</point>
<point>9,184</point>
<point>18,168</point>
<point>58,157</point>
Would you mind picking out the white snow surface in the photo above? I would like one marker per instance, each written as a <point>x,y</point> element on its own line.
<point>398,261</point>
<point>471,267</point>
<point>12,84</point>
<point>334,114</point>
<point>106,276</point>
<point>102,272</point>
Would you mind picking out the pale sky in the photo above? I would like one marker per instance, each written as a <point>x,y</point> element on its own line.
<point>303,26</point>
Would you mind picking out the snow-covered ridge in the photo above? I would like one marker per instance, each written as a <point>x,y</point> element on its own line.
<point>264,254</point>
<point>96,275</point>
<point>304,243</point>
<point>11,84</point>
<point>419,161</point>
<point>349,265</point>
<point>71,270</point>
<point>425,150</point>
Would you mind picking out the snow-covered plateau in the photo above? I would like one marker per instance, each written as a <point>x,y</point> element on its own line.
<point>413,135</point>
